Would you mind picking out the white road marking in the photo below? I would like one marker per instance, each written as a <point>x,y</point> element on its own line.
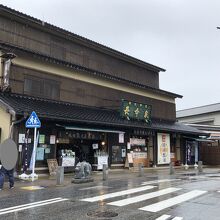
<point>159,181</point>
<point>96,187</point>
<point>164,217</point>
<point>116,194</point>
<point>30,205</point>
<point>143,197</point>
<point>172,201</point>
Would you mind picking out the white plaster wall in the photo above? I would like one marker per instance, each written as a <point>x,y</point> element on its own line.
<point>5,120</point>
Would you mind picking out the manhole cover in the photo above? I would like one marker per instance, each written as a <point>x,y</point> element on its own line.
<point>102,214</point>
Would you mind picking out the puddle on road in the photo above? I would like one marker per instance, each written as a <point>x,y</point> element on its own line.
<point>32,188</point>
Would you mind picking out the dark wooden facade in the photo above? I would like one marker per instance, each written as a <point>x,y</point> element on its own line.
<point>35,36</point>
<point>44,68</point>
<point>89,94</point>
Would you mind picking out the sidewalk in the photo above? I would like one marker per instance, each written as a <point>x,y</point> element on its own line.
<point>119,174</point>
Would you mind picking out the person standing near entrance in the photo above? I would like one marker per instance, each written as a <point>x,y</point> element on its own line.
<point>10,173</point>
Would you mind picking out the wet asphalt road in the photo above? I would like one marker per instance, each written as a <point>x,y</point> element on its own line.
<point>65,202</point>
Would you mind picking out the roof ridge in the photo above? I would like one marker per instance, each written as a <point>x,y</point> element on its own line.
<point>91,42</point>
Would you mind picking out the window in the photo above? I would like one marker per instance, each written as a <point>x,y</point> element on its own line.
<point>42,87</point>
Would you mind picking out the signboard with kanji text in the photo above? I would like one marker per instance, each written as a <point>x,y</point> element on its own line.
<point>137,111</point>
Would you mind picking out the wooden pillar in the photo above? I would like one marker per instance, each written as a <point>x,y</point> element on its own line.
<point>155,148</point>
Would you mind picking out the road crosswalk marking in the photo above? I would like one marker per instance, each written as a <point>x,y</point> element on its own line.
<point>116,194</point>
<point>159,181</point>
<point>143,197</point>
<point>31,205</point>
<point>172,201</point>
<point>96,187</point>
<point>165,217</point>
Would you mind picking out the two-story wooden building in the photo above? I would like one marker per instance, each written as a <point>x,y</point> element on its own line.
<point>92,100</point>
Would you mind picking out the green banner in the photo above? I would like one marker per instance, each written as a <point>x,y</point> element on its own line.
<point>138,111</point>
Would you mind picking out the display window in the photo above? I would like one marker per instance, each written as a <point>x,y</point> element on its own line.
<point>139,148</point>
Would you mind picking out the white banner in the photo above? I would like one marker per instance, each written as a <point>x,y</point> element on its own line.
<point>102,160</point>
<point>163,153</point>
<point>68,161</point>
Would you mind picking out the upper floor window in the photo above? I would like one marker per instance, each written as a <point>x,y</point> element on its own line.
<point>42,87</point>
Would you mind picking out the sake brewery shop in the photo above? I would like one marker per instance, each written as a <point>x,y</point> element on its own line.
<point>94,103</point>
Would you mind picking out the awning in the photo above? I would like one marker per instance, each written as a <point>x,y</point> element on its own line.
<point>74,113</point>
<point>215,136</point>
<point>90,129</point>
<point>198,139</point>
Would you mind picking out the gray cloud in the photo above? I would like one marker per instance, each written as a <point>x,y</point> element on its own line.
<point>178,35</point>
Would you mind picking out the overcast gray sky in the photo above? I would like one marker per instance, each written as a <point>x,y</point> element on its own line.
<point>178,35</point>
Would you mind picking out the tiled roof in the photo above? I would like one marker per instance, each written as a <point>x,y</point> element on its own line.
<point>69,112</point>
<point>67,34</point>
<point>53,60</point>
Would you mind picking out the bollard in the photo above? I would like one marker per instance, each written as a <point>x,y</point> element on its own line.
<point>140,169</point>
<point>60,175</point>
<point>105,172</point>
<point>172,170</point>
<point>200,167</point>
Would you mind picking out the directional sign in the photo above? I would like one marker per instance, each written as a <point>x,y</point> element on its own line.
<point>33,121</point>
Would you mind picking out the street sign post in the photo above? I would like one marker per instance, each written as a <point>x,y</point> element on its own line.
<point>33,122</point>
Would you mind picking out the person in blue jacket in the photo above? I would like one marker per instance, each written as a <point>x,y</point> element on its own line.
<point>4,172</point>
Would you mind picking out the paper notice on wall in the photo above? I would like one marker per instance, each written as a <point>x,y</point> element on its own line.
<point>128,146</point>
<point>52,139</point>
<point>47,150</point>
<point>95,146</point>
<point>21,138</point>
<point>42,139</point>
<point>40,153</point>
<point>121,137</point>
<point>20,148</point>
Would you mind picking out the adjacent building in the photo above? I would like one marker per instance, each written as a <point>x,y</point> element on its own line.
<point>207,119</point>
<point>95,103</point>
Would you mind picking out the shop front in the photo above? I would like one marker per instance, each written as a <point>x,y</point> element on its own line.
<point>71,133</point>
<point>139,151</point>
<point>82,145</point>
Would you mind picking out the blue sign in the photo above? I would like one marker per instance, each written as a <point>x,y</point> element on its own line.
<point>33,121</point>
